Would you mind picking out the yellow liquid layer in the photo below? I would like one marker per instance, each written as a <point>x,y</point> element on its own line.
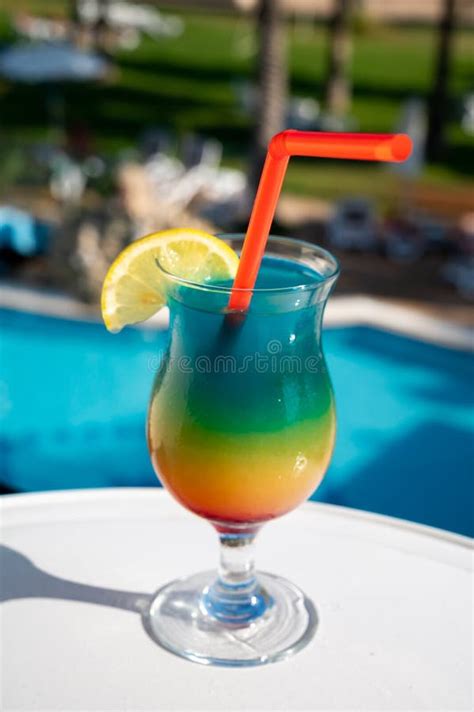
<point>240,477</point>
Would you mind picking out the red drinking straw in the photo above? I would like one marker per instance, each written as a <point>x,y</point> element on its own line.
<point>359,147</point>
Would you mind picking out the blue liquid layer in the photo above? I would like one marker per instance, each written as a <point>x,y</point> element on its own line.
<point>259,372</point>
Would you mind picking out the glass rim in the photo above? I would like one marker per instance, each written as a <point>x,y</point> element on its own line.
<point>318,252</point>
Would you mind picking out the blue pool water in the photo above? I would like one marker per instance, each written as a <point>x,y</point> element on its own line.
<point>73,401</point>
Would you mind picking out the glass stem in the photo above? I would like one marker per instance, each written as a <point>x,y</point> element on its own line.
<point>236,596</point>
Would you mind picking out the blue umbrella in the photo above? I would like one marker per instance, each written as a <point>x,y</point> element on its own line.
<point>51,62</point>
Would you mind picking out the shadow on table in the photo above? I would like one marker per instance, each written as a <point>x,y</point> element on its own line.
<point>20,578</point>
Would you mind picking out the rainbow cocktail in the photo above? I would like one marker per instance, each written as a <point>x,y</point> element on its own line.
<point>241,422</point>
<point>241,429</point>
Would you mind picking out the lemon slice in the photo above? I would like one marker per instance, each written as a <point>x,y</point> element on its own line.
<point>135,288</point>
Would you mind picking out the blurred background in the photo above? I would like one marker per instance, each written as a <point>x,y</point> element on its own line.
<point>119,118</point>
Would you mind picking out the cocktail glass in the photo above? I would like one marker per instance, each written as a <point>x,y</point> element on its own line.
<point>241,429</point>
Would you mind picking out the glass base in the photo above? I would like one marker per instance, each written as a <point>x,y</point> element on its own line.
<point>179,620</point>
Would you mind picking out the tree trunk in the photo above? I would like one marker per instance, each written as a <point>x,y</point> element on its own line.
<point>272,75</point>
<point>439,99</point>
<point>337,86</point>
<point>101,24</point>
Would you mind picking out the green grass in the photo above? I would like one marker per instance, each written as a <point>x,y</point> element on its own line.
<point>187,84</point>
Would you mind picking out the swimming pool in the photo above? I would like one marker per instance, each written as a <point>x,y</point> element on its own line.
<point>73,401</point>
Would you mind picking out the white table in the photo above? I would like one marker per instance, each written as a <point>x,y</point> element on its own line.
<point>394,602</point>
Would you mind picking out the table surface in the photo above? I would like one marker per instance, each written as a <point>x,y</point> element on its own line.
<point>393,598</point>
